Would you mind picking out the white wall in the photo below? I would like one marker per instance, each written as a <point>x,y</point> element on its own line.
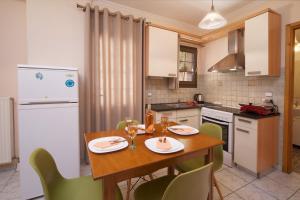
<point>12,47</point>
<point>212,53</point>
<point>297,79</point>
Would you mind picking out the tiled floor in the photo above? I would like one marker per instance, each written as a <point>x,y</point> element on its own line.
<point>235,185</point>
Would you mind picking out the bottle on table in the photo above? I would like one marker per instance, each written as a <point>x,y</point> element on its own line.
<point>149,120</point>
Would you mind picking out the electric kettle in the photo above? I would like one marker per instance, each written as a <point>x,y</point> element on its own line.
<point>199,98</point>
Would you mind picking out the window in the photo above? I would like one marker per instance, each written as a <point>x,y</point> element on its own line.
<point>187,67</point>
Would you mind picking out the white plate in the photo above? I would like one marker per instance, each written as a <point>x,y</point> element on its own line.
<point>116,147</point>
<point>142,126</point>
<point>192,132</point>
<point>176,145</point>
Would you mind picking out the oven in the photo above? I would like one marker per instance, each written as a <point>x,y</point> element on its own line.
<point>225,121</point>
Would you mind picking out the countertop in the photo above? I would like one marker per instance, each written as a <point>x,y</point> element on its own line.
<point>161,107</point>
<point>183,106</point>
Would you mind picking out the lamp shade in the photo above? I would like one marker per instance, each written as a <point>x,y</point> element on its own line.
<point>212,20</point>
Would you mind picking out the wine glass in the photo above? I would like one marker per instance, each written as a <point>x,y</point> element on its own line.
<point>164,123</point>
<point>128,120</point>
<point>132,131</point>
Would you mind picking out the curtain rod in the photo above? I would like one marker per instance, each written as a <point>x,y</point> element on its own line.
<point>126,17</point>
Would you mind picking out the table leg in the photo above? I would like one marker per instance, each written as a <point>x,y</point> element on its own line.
<point>171,170</point>
<point>208,159</point>
<point>109,188</point>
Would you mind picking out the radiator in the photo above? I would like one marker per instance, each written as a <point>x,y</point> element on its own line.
<point>6,130</point>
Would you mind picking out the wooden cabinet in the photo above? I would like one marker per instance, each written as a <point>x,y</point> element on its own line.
<point>255,143</point>
<point>262,45</point>
<point>161,52</point>
<point>188,117</point>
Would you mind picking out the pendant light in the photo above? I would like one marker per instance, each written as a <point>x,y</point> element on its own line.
<point>212,20</point>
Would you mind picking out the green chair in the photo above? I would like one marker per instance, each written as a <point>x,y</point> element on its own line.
<point>56,187</point>
<point>192,185</point>
<point>214,131</point>
<point>121,126</point>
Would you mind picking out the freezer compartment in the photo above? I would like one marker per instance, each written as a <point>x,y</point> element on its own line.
<point>36,85</point>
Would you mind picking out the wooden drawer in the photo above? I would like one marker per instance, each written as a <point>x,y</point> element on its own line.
<point>189,121</point>
<point>244,122</point>
<point>187,113</point>
<point>245,148</point>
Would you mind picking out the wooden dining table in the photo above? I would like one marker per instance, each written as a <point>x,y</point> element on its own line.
<point>128,163</point>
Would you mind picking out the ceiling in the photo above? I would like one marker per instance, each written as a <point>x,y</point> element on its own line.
<point>188,11</point>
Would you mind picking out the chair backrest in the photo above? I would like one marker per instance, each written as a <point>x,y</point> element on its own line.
<point>122,124</point>
<point>214,130</point>
<point>192,185</point>
<point>44,165</point>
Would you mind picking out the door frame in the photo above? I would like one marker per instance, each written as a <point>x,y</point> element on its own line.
<point>287,165</point>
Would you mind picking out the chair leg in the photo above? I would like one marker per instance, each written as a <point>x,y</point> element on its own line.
<point>217,186</point>
<point>128,189</point>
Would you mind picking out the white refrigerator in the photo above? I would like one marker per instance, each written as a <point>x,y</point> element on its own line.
<point>48,117</point>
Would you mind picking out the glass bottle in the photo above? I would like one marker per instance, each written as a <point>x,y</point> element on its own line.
<point>149,120</point>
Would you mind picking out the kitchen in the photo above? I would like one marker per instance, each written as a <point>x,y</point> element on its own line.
<point>225,90</point>
<point>214,91</point>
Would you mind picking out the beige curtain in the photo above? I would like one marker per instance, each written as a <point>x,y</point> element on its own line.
<point>113,74</point>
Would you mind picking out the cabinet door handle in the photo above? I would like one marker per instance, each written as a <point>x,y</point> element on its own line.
<point>184,120</point>
<point>254,72</point>
<point>242,130</point>
<point>170,74</point>
<point>246,121</point>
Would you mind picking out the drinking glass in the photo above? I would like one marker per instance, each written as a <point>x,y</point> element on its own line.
<point>164,124</point>
<point>132,131</point>
<point>128,120</point>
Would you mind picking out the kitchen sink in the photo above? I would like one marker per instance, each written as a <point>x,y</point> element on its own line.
<point>180,105</point>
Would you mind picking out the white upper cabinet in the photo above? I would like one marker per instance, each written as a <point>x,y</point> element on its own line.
<point>262,45</point>
<point>161,52</point>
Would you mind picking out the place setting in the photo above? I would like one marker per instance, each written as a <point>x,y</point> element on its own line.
<point>116,143</point>
<point>183,130</point>
<point>107,144</point>
<point>164,144</point>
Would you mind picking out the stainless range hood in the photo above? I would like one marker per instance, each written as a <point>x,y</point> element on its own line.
<point>235,60</point>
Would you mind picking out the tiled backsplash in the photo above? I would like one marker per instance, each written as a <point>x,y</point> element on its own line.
<point>160,92</point>
<point>229,89</point>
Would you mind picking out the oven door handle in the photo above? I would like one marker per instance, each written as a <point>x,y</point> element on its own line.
<point>218,122</point>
